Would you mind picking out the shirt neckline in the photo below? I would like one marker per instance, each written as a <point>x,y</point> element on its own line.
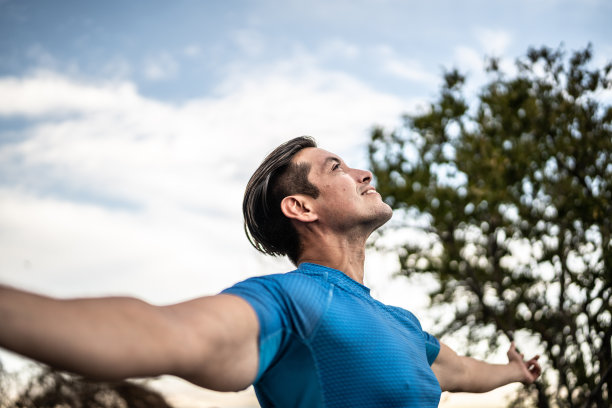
<point>334,276</point>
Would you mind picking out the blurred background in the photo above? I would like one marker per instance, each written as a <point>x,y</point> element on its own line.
<point>128,130</point>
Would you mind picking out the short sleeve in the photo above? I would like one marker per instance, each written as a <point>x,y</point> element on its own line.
<point>432,347</point>
<point>265,297</point>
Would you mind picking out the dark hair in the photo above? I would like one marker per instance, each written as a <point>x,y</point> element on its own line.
<point>265,225</point>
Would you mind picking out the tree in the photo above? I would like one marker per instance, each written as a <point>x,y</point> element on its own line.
<point>511,193</point>
<point>48,388</point>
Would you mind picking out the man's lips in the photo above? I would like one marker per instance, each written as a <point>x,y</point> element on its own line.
<point>369,190</point>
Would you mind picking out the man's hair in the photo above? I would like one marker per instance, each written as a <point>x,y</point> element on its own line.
<point>266,227</point>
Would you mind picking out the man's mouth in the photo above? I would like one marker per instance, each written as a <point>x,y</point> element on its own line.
<point>370,190</point>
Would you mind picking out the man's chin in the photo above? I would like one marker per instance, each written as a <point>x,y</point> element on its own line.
<point>387,218</point>
<point>388,211</point>
<point>383,215</point>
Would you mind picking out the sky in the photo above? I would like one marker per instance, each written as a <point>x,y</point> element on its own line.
<point>129,129</point>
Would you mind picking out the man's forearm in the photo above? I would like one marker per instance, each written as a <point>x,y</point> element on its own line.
<point>482,377</point>
<point>456,373</point>
<point>94,337</point>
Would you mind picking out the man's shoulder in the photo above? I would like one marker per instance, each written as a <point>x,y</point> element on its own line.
<point>294,282</point>
<point>293,300</point>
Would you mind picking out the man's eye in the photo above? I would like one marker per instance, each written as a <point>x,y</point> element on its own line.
<point>336,166</point>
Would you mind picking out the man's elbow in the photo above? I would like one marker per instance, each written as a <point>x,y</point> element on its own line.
<point>455,378</point>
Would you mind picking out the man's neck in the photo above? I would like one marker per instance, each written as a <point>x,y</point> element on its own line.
<point>343,254</point>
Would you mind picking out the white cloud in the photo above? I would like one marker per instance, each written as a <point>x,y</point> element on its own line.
<point>494,42</point>
<point>472,60</point>
<point>66,248</point>
<point>408,69</point>
<point>192,50</point>
<point>160,67</point>
<point>471,63</point>
<point>250,42</point>
<point>47,93</point>
<point>468,59</point>
<point>106,190</point>
<point>339,48</point>
<point>41,57</point>
<point>117,67</point>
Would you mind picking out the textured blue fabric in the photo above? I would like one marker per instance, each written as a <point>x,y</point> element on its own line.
<point>325,342</point>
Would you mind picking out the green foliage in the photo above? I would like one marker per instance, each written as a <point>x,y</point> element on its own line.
<point>515,186</point>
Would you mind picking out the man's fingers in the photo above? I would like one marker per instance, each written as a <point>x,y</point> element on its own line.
<point>534,367</point>
<point>533,360</point>
<point>513,347</point>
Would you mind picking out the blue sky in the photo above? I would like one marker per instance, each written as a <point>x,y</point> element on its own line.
<point>180,50</point>
<point>128,130</point>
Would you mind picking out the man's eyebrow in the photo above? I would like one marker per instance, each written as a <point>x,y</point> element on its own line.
<point>330,159</point>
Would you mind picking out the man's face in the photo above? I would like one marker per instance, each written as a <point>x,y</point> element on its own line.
<point>346,201</point>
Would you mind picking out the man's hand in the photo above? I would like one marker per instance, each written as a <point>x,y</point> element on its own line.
<point>529,370</point>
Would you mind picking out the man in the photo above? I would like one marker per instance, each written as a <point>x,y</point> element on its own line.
<point>309,338</point>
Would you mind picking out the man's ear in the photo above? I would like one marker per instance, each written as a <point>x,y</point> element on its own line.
<point>298,207</point>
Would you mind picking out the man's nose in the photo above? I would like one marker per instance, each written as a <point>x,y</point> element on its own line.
<point>364,176</point>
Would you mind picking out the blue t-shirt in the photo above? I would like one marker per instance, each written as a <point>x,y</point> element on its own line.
<point>325,342</point>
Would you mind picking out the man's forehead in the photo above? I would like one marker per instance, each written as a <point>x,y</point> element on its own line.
<point>315,156</point>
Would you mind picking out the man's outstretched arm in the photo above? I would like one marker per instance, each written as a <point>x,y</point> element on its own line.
<point>465,374</point>
<point>210,341</point>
